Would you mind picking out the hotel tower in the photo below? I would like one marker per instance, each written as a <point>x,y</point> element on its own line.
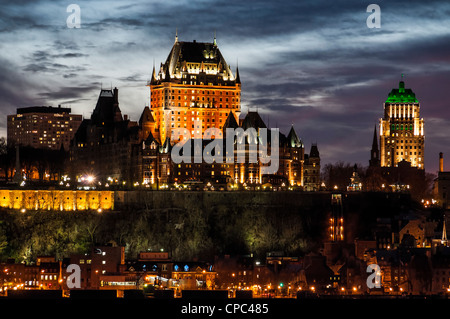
<point>194,89</point>
<point>401,129</point>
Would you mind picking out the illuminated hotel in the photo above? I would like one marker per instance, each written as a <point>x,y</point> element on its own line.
<point>194,89</point>
<point>402,130</point>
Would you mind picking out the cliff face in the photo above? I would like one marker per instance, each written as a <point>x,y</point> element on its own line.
<point>195,225</point>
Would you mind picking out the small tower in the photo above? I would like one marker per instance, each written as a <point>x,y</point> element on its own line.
<point>374,152</point>
<point>444,234</point>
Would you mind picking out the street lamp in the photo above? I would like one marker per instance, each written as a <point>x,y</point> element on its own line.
<point>90,178</point>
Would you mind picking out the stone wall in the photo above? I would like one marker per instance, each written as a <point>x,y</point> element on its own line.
<point>64,200</point>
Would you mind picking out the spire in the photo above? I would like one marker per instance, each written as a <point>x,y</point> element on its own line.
<point>444,233</point>
<point>374,152</point>
<point>153,80</point>
<point>176,35</point>
<point>238,79</point>
<point>375,139</point>
<point>215,42</point>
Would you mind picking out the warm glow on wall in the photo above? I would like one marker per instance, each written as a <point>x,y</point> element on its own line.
<point>63,200</point>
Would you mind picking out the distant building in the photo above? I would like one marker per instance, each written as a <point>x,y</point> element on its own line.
<point>99,267</point>
<point>355,181</point>
<point>402,130</point>
<point>42,127</point>
<point>311,169</point>
<point>442,185</point>
<point>398,163</point>
<point>104,147</point>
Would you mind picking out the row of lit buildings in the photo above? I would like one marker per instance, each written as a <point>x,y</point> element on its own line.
<point>195,91</point>
<point>402,270</point>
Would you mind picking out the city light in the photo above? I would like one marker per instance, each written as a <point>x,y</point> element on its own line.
<point>95,197</point>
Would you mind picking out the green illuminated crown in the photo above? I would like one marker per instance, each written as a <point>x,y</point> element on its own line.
<point>402,95</point>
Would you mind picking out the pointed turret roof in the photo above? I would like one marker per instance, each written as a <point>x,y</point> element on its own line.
<point>444,232</point>
<point>375,139</point>
<point>238,78</point>
<point>293,139</point>
<point>153,80</point>
<point>146,116</point>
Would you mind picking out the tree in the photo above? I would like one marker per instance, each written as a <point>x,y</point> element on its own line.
<point>338,175</point>
<point>3,238</point>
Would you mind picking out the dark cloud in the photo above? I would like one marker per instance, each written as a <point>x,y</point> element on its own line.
<point>311,64</point>
<point>64,93</point>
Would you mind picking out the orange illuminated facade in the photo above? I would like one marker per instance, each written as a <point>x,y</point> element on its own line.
<point>194,89</point>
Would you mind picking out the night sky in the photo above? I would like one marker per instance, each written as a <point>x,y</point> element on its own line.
<point>313,64</point>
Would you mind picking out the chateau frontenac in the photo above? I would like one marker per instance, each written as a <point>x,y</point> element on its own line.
<point>194,90</point>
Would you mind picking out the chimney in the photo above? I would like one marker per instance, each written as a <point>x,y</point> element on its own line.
<point>441,162</point>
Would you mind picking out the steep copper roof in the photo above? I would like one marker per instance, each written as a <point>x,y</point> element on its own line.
<point>201,53</point>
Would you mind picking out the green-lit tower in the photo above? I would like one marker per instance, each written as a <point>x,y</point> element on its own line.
<point>401,129</point>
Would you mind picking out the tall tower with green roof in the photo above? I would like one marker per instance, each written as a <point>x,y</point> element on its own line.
<point>401,129</point>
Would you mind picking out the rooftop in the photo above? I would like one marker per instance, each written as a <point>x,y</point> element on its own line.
<point>402,95</point>
<point>43,109</point>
